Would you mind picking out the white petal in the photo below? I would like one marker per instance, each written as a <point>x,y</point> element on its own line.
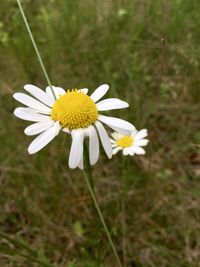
<point>99,92</point>
<point>140,134</point>
<point>43,139</point>
<point>121,131</point>
<point>31,102</point>
<point>80,165</point>
<point>117,124</point>
<point>141,142</point>
<point>29,115</point>
<point>134,132</point>
<point>93,145</point>
<point>126,151</point>
<point>111,103</point>
<point>39,94</point>
<point>32,110</point>
<point>76,152</point>
<point>105,140</point>
<point>57,127</point>
<point>84,90</point>
<point>38,127</point>
<point>114,145</point>
<point>117,135</point>
<point>138,150</point>
<point>115,150</point>
<point>66,130</point>
<point>131,151</point>
<point>57,90</point>
<point>38,111</point>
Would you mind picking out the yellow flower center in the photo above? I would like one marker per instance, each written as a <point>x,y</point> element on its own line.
<point>125,141</point>
<point>74,110</point>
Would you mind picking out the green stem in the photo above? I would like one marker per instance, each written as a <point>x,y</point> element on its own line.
<point>123,207</point>
<point>87,179</point>
<point>35,47</point>
<point>88,166</point>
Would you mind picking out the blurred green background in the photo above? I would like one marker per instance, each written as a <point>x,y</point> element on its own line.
<point>149,53</point>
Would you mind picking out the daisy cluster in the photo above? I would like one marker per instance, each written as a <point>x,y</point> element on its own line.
<point>78,114</point>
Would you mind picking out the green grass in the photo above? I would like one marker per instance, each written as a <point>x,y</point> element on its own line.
<point>149,53</point>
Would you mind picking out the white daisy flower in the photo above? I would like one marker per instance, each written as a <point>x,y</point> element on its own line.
<point>72,111</point>
<point>130,145</point>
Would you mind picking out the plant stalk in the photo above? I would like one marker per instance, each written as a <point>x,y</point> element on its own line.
<point>88,178</point>
<point>35,47</point>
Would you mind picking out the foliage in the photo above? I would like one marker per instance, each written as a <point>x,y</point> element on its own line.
<point>148,51</point>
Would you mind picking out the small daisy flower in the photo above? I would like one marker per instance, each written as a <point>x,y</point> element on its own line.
<point>74,112</point>
<point>130,145</point>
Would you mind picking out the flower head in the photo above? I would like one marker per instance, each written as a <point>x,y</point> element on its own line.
<point>74,112</point>
<point>130,145</point>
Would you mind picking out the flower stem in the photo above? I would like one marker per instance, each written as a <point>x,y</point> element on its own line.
<point>125,168</point>
<point>92,193</point>
<point>88,166</point>
<point>35,46</point>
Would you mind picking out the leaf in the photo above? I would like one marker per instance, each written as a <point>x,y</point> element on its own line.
<point>78,229</point>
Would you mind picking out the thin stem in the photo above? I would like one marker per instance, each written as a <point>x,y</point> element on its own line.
<point>35,47</point>
<point>124,245</point>
<point>124,230</point>
<point>88,166</point>
<point>86,177</point>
